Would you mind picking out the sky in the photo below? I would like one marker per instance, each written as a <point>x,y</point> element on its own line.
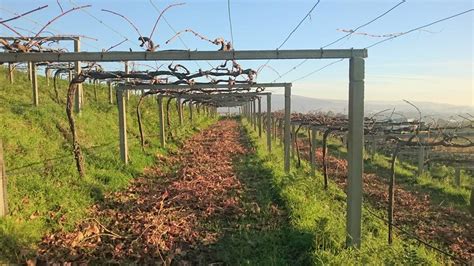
<point>434,64</point>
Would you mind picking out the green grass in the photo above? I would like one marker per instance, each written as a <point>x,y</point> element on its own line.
<point>319,215</point>
<point>263,234</point>
<point>49,194</point>
<point>442,190</point>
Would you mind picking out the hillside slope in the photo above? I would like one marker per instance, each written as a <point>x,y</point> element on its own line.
<point>44,190</point>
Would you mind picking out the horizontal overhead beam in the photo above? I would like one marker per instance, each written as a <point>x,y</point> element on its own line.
<point>222,103</point>
<point>183,55</point>
<point>200,86</point>
<point>219,95</point>
<point>50,38</point>
<point>433,135</point>
<point>230,104</point>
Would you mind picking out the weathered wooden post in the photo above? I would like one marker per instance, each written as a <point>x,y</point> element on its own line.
<point>355,151</point>
<point>34,83</point>
<point>3,185</point>
<point>287,128</point>
<point>122,113</point>
<point>78,99</point>
<point>312,152</point>
<point>457,176</point>
<point>111,100</point>
<point>161,119</point>
<point>10,72</point>
<point>269,122</point>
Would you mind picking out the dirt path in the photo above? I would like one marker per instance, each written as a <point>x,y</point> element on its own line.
<point>167,214</point>
<point>447,226</point>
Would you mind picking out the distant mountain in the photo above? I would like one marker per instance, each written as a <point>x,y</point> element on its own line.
<point>306,104</point>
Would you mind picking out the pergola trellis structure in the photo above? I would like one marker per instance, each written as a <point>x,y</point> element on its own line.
<point>32,69</point>
<point>356,99</point>
<point>197,94</point>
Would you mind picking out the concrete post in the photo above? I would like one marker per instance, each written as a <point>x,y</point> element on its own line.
<point>259,117</point>
<point>122,126</point>
<point>287,128</point>
<point>180,111</point>
<point>161,119</point>
<point>28,66</point>
<point>255,115</point>
<point>111,100</point>
<point>269,122</point>
<point>95,90</point>
<point>355,151</point>
<point>10,72</point>
<point>247,111</point>
<point>47,75</point>
<point>127,72</point>
<point>190,112</point>
<point>249,108</point>
<point>3,185</point>
<point>34,84</point>
<point>251,111</point>
<point>274,129</point>
<point>421,159</point>
<point>69,76</point>
<point>78,101</point>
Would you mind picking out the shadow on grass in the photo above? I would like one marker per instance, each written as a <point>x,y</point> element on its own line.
<point>263,234</point>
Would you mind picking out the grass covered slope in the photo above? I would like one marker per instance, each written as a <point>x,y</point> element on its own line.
<point>320,215</point>
<point>45,191</point>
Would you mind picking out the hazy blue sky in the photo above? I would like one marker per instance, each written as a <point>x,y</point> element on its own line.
<point>433,65</point>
